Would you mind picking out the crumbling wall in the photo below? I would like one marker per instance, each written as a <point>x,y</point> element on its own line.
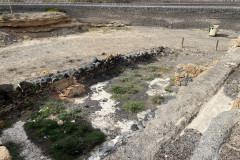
<point>187,73</point>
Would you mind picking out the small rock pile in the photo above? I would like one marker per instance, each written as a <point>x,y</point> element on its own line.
<point>4,153</point>
<point>187,73</point>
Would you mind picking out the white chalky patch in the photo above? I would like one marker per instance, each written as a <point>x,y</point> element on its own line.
<point>80,100</point>
<point>142,114</point>
<point>18,135</point>
<point>156,86</point>
<point>104,119</point>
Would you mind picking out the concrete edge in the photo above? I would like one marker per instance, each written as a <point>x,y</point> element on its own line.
<point>216,134</point>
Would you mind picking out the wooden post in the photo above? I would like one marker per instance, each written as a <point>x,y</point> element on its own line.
<point>9,3</point>
<point>217,45</point>
<point>182,42</point>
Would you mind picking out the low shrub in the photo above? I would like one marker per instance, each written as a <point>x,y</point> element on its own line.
<point>153,76</point>
<point>129,89</point>
<point>158,99</point>
<point>134,106</point>
<point>123,79</point>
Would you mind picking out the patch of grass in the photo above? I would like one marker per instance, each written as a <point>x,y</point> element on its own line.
<point>123,79</point>
<point>121,97</point>
<point>17,15</point>
<point>11,69</point>
<point>186,54</point>
<point>176,54</point>
<point>169,87</point>
<point>6,17</point>
<point>158,99</point>
<point>34,105</point>
<point>14,150</point>
<point>165,69</point>
<point>129,89</point>
<point>52,10</point>
<point>152,77</point>
<point>67,141</point>
<point>134,106</point>
<point>50,108</point>
<point>33,89</point>
<point>64,115</point>
<point>152,68</point>
<point>135,74</point>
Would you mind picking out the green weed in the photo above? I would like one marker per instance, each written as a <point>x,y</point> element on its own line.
<point>14,150</point>
<point>52,10</point>
<point>152,68</point>
<point>134,106</point>
<point>123,79</point>
<point>129,89</point>
<point>11,69</point>
<point>152,77</point>
<point>158,99</point>
<point>165,69</point>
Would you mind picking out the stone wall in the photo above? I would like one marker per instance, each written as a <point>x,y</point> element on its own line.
<point>13,96</point>
<point>160,15</point>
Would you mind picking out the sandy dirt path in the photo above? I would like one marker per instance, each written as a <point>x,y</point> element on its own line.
<point>30,58</point>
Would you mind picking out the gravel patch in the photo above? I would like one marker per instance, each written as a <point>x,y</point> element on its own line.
<point>18,135</point>
<point>181,148</point>
<point>218,132</point>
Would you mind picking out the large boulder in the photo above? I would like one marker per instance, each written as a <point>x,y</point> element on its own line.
<point>4,153</point>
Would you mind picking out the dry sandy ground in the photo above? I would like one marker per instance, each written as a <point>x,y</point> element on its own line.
<point>30,58</point>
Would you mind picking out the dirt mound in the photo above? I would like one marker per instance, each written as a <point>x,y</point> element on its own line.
<point>33,19</point>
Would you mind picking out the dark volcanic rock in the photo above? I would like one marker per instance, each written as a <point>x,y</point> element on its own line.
<point>24,84</point>
<point>6,88</point>
<point>134,127</point>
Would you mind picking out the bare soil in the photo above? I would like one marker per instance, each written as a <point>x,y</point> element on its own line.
<point>30,58</point>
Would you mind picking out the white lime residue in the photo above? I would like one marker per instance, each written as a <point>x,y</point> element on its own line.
<point>156,86</point>
<point>18,135</point>
<point>104,119</point>
<point>80,100</point>
<point>142,114</point>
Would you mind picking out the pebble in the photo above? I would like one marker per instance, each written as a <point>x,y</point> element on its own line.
<point>60,122</point>
<point>134,127</point>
